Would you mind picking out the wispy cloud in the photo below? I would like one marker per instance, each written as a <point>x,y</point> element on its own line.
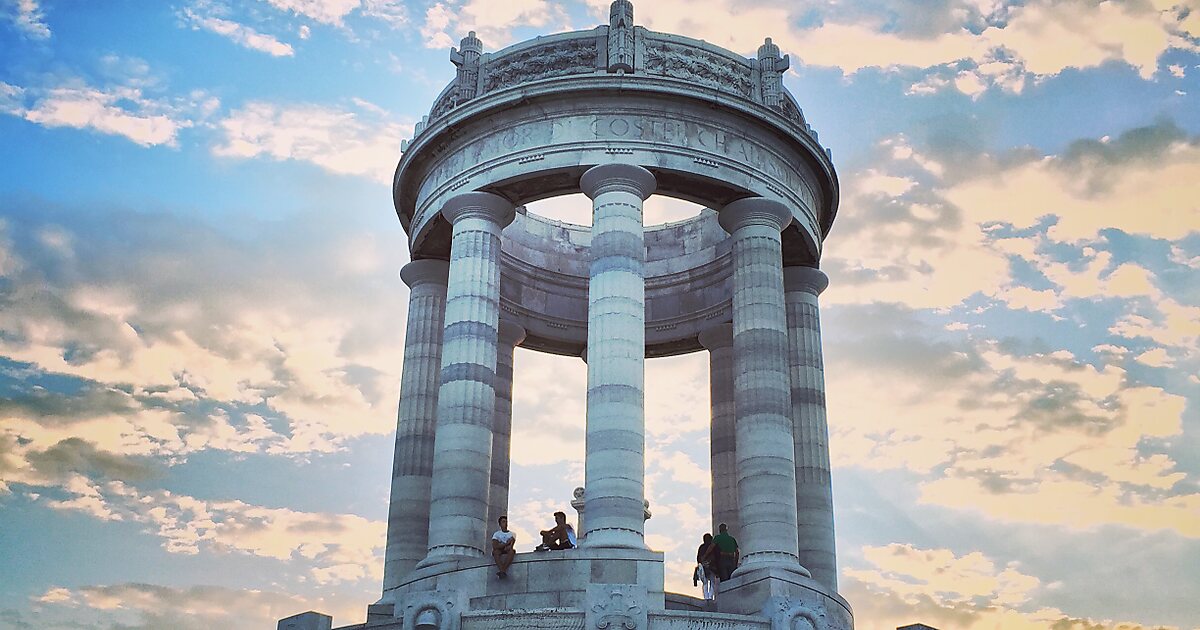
<point>446,22</point>
<point>201,17</point>
<point>27,16</point>
<point>363,141</point>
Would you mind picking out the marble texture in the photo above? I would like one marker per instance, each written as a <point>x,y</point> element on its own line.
<point>614,465</point>
<point>814,492</point>
<point>722,441</point>
<point>762,388</point>
<point>412,466</point>
<point>509,337</point>
<point>467,396</point>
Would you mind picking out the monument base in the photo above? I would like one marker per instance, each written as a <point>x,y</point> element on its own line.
<point>786,598</point>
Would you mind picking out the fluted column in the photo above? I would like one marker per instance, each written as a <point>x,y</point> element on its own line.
<point>467,397</point>
<point>412,467</point>
<point>722,442</point>
<point>762,389</point>
<point>814,493</point>
<point>511,335</point>
<point>615,467</point>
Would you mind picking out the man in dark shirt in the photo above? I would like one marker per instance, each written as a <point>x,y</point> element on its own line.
<point>729,552</point>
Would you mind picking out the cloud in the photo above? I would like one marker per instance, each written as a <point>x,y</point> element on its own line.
<point>169,339</point>
<point>900,583</point>
<point>330,12</point>
<point>1027,437</point>
<point>121,111</point>
<point>333,548</point>
<point>361,141</point>
<point>972,47</point>
<point>200,16</point>
<point>27,16</point>
<point>446,22</point>
<point>140,606</point>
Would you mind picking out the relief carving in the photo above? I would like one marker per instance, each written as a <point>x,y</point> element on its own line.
<point>700,66</point>
<point>541,62</point>
<point>616,607</point>
<point>620,36</point>
<point>788,614</point>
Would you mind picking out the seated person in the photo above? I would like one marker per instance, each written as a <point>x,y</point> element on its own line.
<point>561,536</point>
<point>503,548</point>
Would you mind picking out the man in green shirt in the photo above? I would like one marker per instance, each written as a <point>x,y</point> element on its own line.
<point>729,552</point>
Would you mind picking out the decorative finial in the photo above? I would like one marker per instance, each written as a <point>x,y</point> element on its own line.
<point>620,36</point>
<point>768,49</point>
<point>470,43</point>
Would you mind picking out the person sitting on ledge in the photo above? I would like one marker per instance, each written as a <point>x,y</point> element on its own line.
<point>503,547</point>
<point>561,536</point>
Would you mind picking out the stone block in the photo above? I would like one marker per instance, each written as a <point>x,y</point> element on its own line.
<point>614,572</point>
<point>790,600</point>
<point>431,610</point>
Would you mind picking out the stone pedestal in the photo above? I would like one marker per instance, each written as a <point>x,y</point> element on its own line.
<point>789,600</point>
<point>306,621</point>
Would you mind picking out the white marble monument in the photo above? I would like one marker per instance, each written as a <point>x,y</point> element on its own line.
<point>618,113</point>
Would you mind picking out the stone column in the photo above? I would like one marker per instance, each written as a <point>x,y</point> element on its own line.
<point>615,467</point>
<point>814,493</point>
<point>766,469</point>
<point>412,468</point>
<point>722,443</point>
<point>467,397</point>
<point>511,335</point>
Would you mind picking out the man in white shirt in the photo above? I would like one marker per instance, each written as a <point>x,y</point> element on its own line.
<point>503,547</point>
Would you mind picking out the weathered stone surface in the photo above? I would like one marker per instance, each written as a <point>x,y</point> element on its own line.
<point>412,467</point>
<point>814,492</point>
<point>722,440</point>
<point>306,621</point>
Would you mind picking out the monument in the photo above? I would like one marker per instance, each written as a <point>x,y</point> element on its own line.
<point>618,113</point>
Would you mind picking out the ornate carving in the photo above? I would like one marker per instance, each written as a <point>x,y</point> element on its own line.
<point>771,68</point>
<point>699,66</point>
<point>788,614</point>
<point>788,108</point>
<point>577,56</point>
<point>620,36</point>
<point>431,610</point>
<point>467,61</point>
<point>620,611</point>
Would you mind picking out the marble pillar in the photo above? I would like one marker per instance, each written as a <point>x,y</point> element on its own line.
<point>467,397</point>
<point>762,388</point>
<point>814,493</point>
<point>412,467</point>
<point>723,454</point>
<point>615,467</point>
<point>511,335</point>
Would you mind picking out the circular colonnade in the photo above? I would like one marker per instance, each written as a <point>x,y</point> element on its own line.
<point>618,113</point>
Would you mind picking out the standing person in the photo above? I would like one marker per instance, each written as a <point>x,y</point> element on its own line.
<point>503,547</point>
<point>730,555</point>
<point>707,556</point>
<point>561,536</point>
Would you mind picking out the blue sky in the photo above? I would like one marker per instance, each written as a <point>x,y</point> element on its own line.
<point>201,323</point>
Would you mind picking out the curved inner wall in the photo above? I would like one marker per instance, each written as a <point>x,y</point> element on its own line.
<point>544,282</point>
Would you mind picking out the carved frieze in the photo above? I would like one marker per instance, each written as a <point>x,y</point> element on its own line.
<point>699,66</point>
<point>616,607</point>
<point>576,56</point>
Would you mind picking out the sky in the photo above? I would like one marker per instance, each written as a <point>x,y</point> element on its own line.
<point>201,323</point>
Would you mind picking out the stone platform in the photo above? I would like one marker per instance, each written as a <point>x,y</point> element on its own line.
<point>598,588</point>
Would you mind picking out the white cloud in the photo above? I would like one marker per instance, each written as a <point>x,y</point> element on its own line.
<point>324,11</point>
<point>28,17</point>
<point>446,22</point>
<point>346,142</point>
<point>238,33</point>
<point>121,111</point>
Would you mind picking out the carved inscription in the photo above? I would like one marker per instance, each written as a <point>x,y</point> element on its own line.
<point>541,62</point>
<point>543,135</point>
<point>700,66</point>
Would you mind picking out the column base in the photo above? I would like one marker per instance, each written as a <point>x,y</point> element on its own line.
<point>613,539</point>
<point>787,598</point>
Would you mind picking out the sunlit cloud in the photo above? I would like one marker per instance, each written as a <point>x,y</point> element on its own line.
<point>236,32</point>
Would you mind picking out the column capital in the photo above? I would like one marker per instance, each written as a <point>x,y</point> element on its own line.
<point>808,279</point>
<point>479,205</point>
<point>624,177</point>
<point>719,336</point>
<point>511,333</point>
<point>754,211</point>
<point>429,270</point>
